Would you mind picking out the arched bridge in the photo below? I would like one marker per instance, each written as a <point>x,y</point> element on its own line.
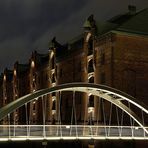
<point>112,115</point>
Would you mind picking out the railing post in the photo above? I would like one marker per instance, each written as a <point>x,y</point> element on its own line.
<point>43,108</point>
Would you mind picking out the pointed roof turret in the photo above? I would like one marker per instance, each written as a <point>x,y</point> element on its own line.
<point>87,25</point>
<point>54,44</point>
<point>90,24</point>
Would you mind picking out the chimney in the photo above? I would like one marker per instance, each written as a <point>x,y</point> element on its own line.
<point>132,9</point>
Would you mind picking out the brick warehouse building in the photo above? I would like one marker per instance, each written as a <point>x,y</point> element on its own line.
<point>113,53</point>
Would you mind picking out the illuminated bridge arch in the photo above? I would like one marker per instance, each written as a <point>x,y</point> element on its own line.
<point>109,94</point>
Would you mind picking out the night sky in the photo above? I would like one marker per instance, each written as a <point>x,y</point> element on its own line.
<point>27,25</point>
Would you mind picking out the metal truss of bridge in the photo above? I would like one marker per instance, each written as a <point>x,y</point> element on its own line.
<point>114,115</point>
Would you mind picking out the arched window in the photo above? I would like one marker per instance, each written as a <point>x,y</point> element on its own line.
<point>91,80</point>
<point>53,78</point>
<point>90,47</point>
<point>52,62</point>
<point>54,105</point>
<point>90,66</point>
<point>91,110</point>
<point>91,101</point>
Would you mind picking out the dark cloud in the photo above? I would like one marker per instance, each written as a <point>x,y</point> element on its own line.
<point>23,22</point>
<point>27,25</point>
<point>21,17</point>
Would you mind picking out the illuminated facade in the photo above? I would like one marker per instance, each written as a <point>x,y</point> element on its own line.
<point>114,54</point>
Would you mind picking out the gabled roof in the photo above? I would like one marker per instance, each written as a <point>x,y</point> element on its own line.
<point>42,58</point>
<point>22,68</point>
<point>71,46</point>
<point>62,51</point>
<point>76,43</point>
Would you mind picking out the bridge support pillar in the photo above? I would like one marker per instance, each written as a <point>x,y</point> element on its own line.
<point>91,144</point>
<point>44,143</point>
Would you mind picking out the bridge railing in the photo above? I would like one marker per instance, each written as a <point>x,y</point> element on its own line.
<point>51,132</point>
<point>102,108</point>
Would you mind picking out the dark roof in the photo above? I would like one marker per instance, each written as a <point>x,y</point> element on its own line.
<point>138,23</point>
<point>105,27</point>
<point>62,51</point>
<point>41,58</point>
<point>22,68</point>
<point>71,46</point>
<point>76,43</point>
<point>121,18</point>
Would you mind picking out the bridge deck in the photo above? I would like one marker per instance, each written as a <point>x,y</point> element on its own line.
<point>69,132</point>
